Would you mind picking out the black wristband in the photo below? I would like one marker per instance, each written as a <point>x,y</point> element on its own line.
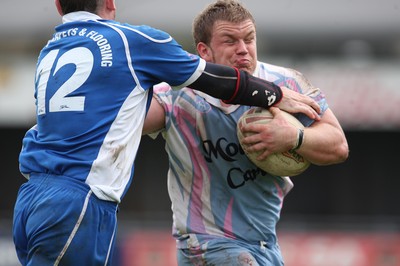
<point>300,137</point>
<point>254,91</point>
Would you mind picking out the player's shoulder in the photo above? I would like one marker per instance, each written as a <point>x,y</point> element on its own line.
<point>162,87</point>
<point>181,98</point>
<point>144,31</point>
<point>278,69</point>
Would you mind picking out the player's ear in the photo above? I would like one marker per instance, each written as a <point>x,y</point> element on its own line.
<point>59,9</point>
<point>110,5</point>
<point>204,51</point>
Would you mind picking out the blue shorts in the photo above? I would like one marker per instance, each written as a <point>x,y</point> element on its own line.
<point>59,221</point>
<point>229,252</point>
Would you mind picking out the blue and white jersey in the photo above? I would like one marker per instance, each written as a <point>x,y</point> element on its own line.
<point>93,86</point>
<point>216,191</point>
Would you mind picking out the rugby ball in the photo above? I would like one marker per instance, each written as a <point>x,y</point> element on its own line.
<point>288,163</point>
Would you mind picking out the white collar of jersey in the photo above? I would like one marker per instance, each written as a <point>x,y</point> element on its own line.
<point>257,70</point>
<point>226,108</point>
<point>79,15</point>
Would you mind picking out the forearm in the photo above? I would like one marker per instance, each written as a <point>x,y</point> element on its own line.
<point>324,144</point>
<point>237,87</point>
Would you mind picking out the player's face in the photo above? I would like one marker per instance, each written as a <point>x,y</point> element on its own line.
<point>234,44</point>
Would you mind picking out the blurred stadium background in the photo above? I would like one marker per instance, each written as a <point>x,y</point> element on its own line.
<point>342,215</point>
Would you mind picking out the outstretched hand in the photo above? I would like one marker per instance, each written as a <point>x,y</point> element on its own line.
<point>294,102</point>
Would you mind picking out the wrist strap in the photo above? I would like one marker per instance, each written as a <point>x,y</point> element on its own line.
<point>300,137</point>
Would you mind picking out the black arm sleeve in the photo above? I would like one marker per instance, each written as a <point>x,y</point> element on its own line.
<point>237,86</point>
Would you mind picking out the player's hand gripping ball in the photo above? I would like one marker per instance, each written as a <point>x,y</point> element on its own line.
<point>288,163</point>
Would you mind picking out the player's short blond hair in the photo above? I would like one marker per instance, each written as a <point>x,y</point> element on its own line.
<point>226,10</point>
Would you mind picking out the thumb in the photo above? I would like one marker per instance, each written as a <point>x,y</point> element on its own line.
<point>274,111</point>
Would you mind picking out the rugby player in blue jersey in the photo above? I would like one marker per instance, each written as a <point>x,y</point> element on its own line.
<point>225,209</point>
<point>93,87</point>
